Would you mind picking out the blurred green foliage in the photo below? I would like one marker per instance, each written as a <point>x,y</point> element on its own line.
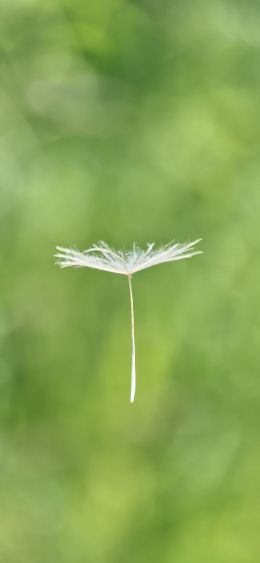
<point>129,121</point>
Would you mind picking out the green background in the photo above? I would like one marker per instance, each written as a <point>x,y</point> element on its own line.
<point>129,121</point>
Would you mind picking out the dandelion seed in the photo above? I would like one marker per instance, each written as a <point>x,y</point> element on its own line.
<point>102,257</point>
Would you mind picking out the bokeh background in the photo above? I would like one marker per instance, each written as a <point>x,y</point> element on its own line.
<point>130,121</point>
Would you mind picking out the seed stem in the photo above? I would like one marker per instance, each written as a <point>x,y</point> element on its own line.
<point>133,370</point>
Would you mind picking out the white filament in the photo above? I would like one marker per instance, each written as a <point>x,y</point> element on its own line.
<point>133,370</point>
